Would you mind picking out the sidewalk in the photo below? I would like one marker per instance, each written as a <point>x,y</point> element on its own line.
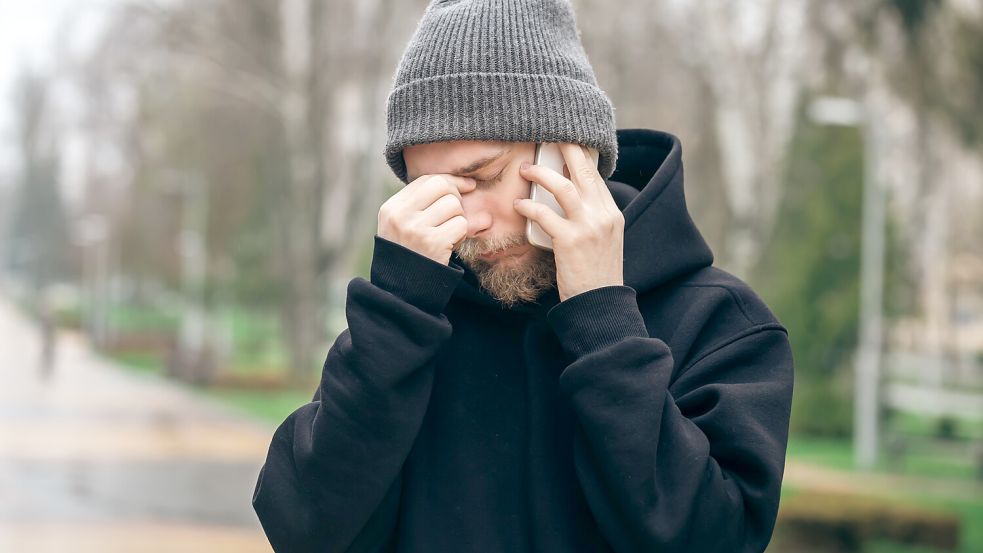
<point>102,459</point>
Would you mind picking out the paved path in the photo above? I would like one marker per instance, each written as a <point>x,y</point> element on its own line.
<point>101,459</point>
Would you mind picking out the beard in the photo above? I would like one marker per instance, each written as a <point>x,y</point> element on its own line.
<point>508,279</point>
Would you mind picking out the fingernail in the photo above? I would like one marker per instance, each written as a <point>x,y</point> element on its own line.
<point>524,165</point>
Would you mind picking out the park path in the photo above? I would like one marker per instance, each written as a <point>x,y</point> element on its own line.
<point>98,458</point>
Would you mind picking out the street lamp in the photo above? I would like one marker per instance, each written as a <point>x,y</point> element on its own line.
<point>191,188</point>
<point>829,110</point>
<point>93,233</point>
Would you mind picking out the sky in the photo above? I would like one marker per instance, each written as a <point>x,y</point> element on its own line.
<point>32,34</point>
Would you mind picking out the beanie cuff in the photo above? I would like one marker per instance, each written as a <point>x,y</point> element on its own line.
<point>511,107</point>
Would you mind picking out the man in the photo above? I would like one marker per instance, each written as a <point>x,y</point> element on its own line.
<point>48,332</point>
<point>616,394</point>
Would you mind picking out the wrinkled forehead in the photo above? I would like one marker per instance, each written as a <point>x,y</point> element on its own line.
<point>459,157</point>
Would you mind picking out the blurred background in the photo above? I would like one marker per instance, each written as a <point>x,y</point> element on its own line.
<point>186,188</point>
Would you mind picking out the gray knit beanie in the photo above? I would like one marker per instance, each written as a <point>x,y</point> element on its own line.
<point>509,70</point>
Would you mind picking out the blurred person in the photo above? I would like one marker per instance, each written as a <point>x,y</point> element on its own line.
<point>48,334</point>
<point>616,394</point>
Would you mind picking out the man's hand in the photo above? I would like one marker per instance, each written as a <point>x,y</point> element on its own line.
<point>588,245</point>
<point>426,216</point>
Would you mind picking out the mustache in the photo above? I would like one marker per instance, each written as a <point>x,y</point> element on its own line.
<point>472,248</point>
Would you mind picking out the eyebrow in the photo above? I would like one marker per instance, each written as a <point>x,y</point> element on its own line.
<point>478,164</point>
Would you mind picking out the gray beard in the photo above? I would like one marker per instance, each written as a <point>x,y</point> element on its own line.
<point>507,281</point>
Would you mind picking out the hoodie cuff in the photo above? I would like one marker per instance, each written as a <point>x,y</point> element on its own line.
<point>412,276</point>
<point>597,319</point>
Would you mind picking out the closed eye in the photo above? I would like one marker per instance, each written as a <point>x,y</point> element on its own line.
<point>491,181</point>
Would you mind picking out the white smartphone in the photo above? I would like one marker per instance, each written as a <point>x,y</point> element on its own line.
<point>548,155</point>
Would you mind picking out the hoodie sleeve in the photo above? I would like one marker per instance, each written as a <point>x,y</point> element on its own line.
<point>694,467</point>
<point>332,477</point>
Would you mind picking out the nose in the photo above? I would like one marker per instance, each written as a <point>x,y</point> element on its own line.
<point>477,210</point>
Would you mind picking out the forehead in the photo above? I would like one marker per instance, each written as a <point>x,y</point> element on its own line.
<point>451,156</point>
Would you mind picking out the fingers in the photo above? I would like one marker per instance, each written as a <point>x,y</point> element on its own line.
<point>453,231</point>
<point>582,170</point>
<point>444,208</point>
<point>589,182</point>
<point>562,188</point>
<point>425,190</point>
<point>573,154</point>
<point>549,220</point>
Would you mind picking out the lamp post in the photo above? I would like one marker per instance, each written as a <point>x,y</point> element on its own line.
<point>192,191</point>
<point>848,112</point>
<point>93,237</point>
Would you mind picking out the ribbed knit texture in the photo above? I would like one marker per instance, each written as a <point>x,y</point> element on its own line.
<point>511,70</point>
<point>597,319</point>
<point>391,262</point>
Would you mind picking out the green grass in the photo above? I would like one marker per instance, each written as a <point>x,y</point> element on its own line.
<point>924,459</point>
<point>970,532</point>
<point>926,463</point>
<point>257,346</point>
<point>913,424</point>
<point>828,452</point>
<point>970,513</point>
<point>921,458</point>
<point>142,318</point>
<point>140,361</point>
<point>269,405</point>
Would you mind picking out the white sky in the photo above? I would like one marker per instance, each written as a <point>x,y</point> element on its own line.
<point>33,34</point>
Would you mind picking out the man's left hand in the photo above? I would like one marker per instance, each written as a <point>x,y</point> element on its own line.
<point>588,244</point>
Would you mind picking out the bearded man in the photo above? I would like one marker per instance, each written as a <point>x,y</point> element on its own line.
<point>617,393</point>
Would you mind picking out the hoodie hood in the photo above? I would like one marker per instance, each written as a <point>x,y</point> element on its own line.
<point>661,241</point>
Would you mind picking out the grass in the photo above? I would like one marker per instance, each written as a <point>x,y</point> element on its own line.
<point>828,452</point>
<point>142,318</point>
<point>923,465</point>
<point>970,533</point>
<point>921,458</point>
<point>918,425</point>
<point>269,405</point>
<point>257,347</point>
<point>140,361</point>
<point>969,512</point>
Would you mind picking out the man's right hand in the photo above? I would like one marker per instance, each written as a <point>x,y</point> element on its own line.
<point>426,216</point>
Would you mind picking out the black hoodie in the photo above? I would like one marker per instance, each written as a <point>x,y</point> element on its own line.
<point>651,416</point>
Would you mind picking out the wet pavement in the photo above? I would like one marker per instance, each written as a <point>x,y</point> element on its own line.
<point>99,458</point>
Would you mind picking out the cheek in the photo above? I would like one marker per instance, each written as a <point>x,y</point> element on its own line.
<point>513,189</point>
<point>516,188</point>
